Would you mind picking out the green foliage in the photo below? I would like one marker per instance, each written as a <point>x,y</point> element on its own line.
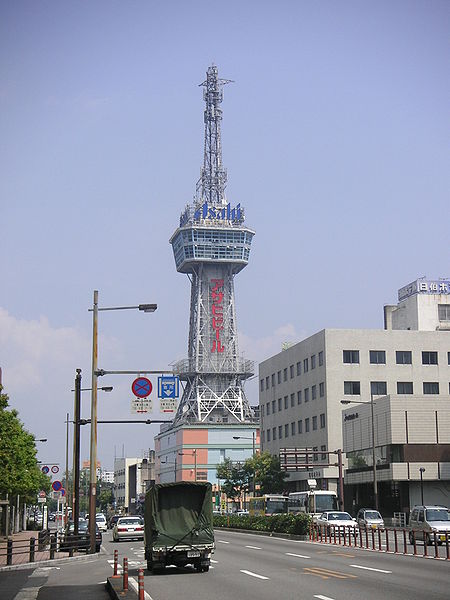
<point>287,523</point>
<point>234,477</point>
<point>20,473</point>
<point>105,497</point>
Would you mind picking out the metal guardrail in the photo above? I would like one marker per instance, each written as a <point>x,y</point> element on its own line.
<point>375,539</point>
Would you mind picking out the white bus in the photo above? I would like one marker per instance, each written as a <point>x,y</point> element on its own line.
<point>312,502</point>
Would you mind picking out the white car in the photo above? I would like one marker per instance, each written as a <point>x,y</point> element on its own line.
<point>128,528</point>
<point>100,519</point>
<point>335,519</point>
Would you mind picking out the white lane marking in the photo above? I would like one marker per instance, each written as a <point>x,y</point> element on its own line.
<point>322,597</point>
<point>253,574</point>
<point>134,585</point>
<point>100,582</point>
<point>253,547</point>
<point>214,561</point>
<point>297,555</point>
<point>370,569</point>
<point>223,542</point>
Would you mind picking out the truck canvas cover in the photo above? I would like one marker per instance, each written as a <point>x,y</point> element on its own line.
<point>179,514</point>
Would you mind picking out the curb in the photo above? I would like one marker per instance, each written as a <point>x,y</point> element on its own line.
<point>285,536</point>
<point>114,587</point>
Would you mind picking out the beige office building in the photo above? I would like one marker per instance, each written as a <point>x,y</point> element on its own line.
<point>301,388</point>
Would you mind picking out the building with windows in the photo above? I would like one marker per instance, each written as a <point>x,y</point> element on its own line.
<point>132,478</point>
<point>301,388</point>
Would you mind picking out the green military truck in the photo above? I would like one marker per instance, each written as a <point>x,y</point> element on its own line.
<point>178,525</point>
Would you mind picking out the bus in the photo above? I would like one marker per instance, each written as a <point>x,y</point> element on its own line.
<point>312,502</point>
<point>269,504</point>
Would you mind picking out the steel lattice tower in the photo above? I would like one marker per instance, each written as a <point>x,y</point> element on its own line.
<point>211,245</point>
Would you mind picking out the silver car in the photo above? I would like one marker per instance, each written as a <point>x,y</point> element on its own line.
<point>426,521</point>
<point>128,528</point>
<point>369,518</point>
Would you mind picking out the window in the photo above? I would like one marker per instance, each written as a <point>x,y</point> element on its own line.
<point>263,436</point>
<point>280,432</point>
<point>306,394</point>
<point>293,428</point>
<point>378,388</point>
<point>324,456</point>
<point>377,357</point>
<point>279,377</point>
<point>430,387</point>
<point>313,361</point>
<point>299,368</point>
<point>321,390</point>
<point>315,455</point>
<point>352,388</point>
<point>403,357</point>
<point>262,410</point>
<point>444,312</point>
<point>300,426</point>
<point>268,408</point>
<point>291,371</point>
<point>305,366</point>
<point>351,356</point>
<point>429,358</point>
<point>448,358</point>
<point>261,386</point>
<point>299,397</point>
<point>285,374</point>
<point>280,404</point>
<point>320,359</point>
<point>274,408</point>
<point>267,383</point>
<point>292,400</point>
<point>322,421</point>
<point>286,402</point>
<point>314,423</point>
<point>274,433</point>
<point>404,387</point>
<point>306,425</point>
<point>313,392</point>
<point>286,430</point>
<point>273,379</point>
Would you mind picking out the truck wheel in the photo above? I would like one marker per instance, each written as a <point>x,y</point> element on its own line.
<point>206,568</point>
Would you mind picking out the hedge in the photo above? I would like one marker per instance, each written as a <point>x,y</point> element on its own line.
<point>286,523</point>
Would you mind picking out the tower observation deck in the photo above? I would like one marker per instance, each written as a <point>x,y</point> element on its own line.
<point>211,245</point>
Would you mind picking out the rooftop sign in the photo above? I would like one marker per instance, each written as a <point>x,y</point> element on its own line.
<point>422,286</point>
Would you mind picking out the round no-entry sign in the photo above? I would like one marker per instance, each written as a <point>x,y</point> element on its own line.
<point>141,387</point>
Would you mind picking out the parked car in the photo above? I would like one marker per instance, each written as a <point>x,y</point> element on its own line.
<point>425,521</point>
<point>335,520</point>
<point>242,513</point>
<point>100,519</point>
<point>69,541</point>
<point>369,518</point>
<point>128,528</point>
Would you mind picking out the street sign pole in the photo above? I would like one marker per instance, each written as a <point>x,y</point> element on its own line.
<point>93,452</point>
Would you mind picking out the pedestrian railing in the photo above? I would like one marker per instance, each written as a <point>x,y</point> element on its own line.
<point>391,540</point>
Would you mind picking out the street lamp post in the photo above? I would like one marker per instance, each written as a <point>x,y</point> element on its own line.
<point>422,470</point>
<point>374,464</point>
<point>93,446</point>
<point>241,437</point>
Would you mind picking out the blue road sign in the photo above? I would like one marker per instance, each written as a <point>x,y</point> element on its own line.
<point>168,387</point>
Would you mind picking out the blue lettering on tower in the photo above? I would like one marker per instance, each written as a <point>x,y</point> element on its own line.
<point>213,212</point>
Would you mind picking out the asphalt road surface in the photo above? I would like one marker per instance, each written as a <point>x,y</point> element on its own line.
<point>245,567</point>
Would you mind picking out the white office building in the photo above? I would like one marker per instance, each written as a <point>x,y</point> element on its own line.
<point>301,388</point>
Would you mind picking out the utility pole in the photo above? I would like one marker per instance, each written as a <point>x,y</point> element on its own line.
<point>76,452</point>
<point>93,452</point>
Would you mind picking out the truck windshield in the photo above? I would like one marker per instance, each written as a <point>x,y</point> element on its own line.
<point>437,514</point>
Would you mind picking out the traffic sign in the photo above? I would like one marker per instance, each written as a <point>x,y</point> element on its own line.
<point>56,486</point>
<point>45,470</point>
<point>141,387</point>
<point>55,469</point>
<point>42,494</point>
<point>63,492</point>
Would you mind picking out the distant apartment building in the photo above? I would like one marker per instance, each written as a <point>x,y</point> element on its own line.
<point>301,388</point>
<point>107,476</point>
<point>132,478</point>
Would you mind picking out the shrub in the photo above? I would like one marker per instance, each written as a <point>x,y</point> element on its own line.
<point>286,523</point>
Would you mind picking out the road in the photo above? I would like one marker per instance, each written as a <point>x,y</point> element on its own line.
<point>248,567</point>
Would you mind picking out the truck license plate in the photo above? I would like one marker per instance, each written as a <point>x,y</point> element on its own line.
<point>193,554</point>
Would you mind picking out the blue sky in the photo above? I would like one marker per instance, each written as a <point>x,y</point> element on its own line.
<point>335,137</point>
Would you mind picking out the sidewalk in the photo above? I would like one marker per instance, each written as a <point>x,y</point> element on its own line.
<point>21,549</point>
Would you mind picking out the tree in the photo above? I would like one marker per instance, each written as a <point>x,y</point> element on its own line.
<point>235,478</point>
<point>267,472</point>
<point>20,474</point>
<point>105,497</point>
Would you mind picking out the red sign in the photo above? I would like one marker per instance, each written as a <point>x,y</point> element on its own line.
<point>217,313</point>
<point>142,387</point>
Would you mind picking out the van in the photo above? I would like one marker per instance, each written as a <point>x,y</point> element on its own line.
<point>369,518</point>
<point>426,521</point>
